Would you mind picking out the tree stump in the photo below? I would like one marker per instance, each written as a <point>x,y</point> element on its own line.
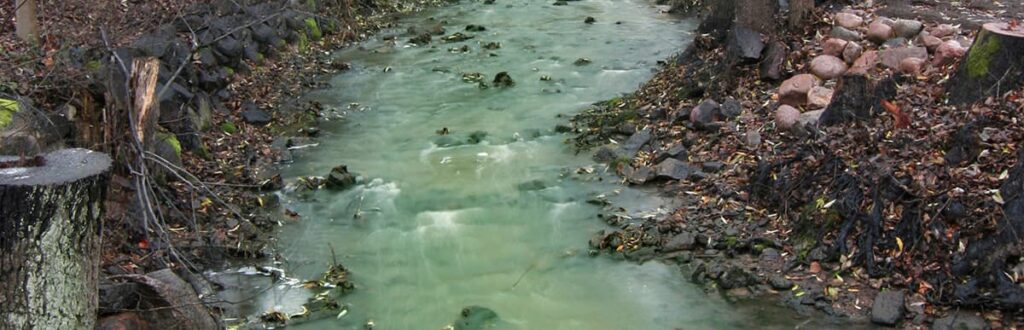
<point>993,65</point>
<point>50,211</point>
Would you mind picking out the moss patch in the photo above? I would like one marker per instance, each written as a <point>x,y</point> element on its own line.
<point>303,42</point>
<point>228,128</point>
<point>172,140</point>
<point>980,56</point>
<point>7,110</point>
<point>314,29</point>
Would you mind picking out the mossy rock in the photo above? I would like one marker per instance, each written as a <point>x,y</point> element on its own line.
<point>314,29</point>
<point>303,44</point>
<point>172,140</point>
<point>7,110</point>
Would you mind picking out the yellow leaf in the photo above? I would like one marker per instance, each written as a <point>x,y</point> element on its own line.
<point>899,243</point>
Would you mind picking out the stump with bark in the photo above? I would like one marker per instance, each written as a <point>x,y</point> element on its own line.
<point>993,65</point>
<point>50,211</point>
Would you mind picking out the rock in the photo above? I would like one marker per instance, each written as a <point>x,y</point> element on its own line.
<point>674,169</point>
<point>879,32</point>
<point>810,118</point>
<point>895,43</point>
<point>848,20</point>
<point>786,116</point>
<point>819,97</point>
<point>888,308</point>
<point>911,66</point>
<point>851,52</point>
<point>476,318</point>
<point>960,320</point>
<point>631,146</point>
<point>638,175</point>
<point>187,310</point>
<point>948,52</point>
<point>752,139</point>
<point>681,242</point>
<point>844,33</point>
<point>907,28</point>
<point>865,63</point>
<point>590,20</point>
<point>582,61</point>
<point>19,143</point>
<point>746,44</point>
<point>532,185</point>
<point>230,47</point>
<point>943,30</point>
<point>892,57</point>
<point>474,28</point>
<point>502,79</point>
<point>770,254</point>
<point>794,90</point>
<point>779,282</point>
<point>705,113</point>
<point>251,113</point>
<point>834,46</point>
<point>605,155</point>
<point>774,58</point>
<point>122,321</point>
<point>677,151</point>
<point>731,108</point>
<point>117,297</point>
<point>828,67</point>
<point>340,178</point>
<point>930,42</point>
<point>712,166</point>
<point>736,277</point>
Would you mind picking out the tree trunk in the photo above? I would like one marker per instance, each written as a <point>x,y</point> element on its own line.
<point>26,22</point>
<point>992,66</point>
<point>49,239</point>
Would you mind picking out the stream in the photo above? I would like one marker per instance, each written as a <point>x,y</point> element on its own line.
<point>501,219</point>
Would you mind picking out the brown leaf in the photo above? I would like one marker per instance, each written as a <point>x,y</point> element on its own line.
<point>902,120</point>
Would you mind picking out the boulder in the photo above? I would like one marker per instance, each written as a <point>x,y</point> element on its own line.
<point>746,44</point>
<point>834,46</point>
<point>340,178</point>
<point>631,146</point>
<point>852,52</point>
<point>879,32</point>
<point>819,97</point>
<point>828,67</point>
<point>892,57</point>
<point>848,20</point>
<point>948,52</point>
<point>911,66</point>
<point>888,308</point>
<point>705,113</point>
<point>907,28</point>
<point>960,320</point>
<point>786,116</point>
<point>681,242</point>
<point>794,90</point>
<point>844,33</point>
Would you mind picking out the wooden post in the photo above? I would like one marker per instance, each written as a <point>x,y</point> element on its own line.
<point>50,214</point>
<point>993,65</point>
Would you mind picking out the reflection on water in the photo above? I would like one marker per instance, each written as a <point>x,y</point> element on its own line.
<point>486,215</point>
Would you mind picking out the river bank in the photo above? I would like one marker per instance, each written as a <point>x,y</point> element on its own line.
<point>870,217</point>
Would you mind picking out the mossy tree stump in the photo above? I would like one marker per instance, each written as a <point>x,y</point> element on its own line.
<point>993,65</point>
<point>50,214</point>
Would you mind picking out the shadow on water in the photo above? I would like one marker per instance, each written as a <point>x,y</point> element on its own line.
<point>497,219</point>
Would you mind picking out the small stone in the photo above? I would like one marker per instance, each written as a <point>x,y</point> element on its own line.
<point>907,28</point>
<point>502,79</point>
<point>866,62</point>
<point>770,254</point>
<point>779,282</point>
<point>819,97</point>
<point>794,90</point>
<point>930,42</point>
<point>879,32</point>
<point>848,20</point>
<point>948,52</point>
<point>680,242</point>
<point>828,67</point>
<point>705,113</point>
<point>834,46</point>
<point>251,113</point>
<point>810,118</point>
<point>786,116</point>
<point>752,138</point>
<point>582,61</point>
<point>844,33</point>
<point>340,178</point>
<point>895,43</point>
<point>892,57</point>
<point>888,308</point>
<point>731,108</point>
<point>852,51</point>
<point>943,30</point>
<point>911,66</point>
<point>590,20</point>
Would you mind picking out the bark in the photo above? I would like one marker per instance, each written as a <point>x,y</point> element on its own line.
<point>858,97</point>
<point>26,23</point>
<point>49,240</point>
<point>992,66</point>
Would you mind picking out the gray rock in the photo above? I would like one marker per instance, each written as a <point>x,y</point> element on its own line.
<point>736,277</point>
<point>752,138</point>
<point>852,52</point>
<point>810,118</point>
<point>844,33</point>
<point>774,58</point>
<point>746,44</point>
<point>712,166</point>
<point>892,57</point>
<point>770,254</point>
<point>674,169</point>
<point>779,282</point>
<point>252,114</point>
<point>340,178</point>
<point>638,175</point>
<point>960,321</point>
<point>631,146</point>
<point>680,242</point>
<point>907,28</point>
<point>604,155</point>
<point>731,108</point>
<point>705,113</point>
<point>888,308</point>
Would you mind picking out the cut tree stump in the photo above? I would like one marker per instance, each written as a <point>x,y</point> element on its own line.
<point>50,211</point>
<point>857,97</point>
<point>993,65</point>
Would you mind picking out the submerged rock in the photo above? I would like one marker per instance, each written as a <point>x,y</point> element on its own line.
<point>475,318</point>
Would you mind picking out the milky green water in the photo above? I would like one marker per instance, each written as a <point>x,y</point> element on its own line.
<point>441,228</point>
